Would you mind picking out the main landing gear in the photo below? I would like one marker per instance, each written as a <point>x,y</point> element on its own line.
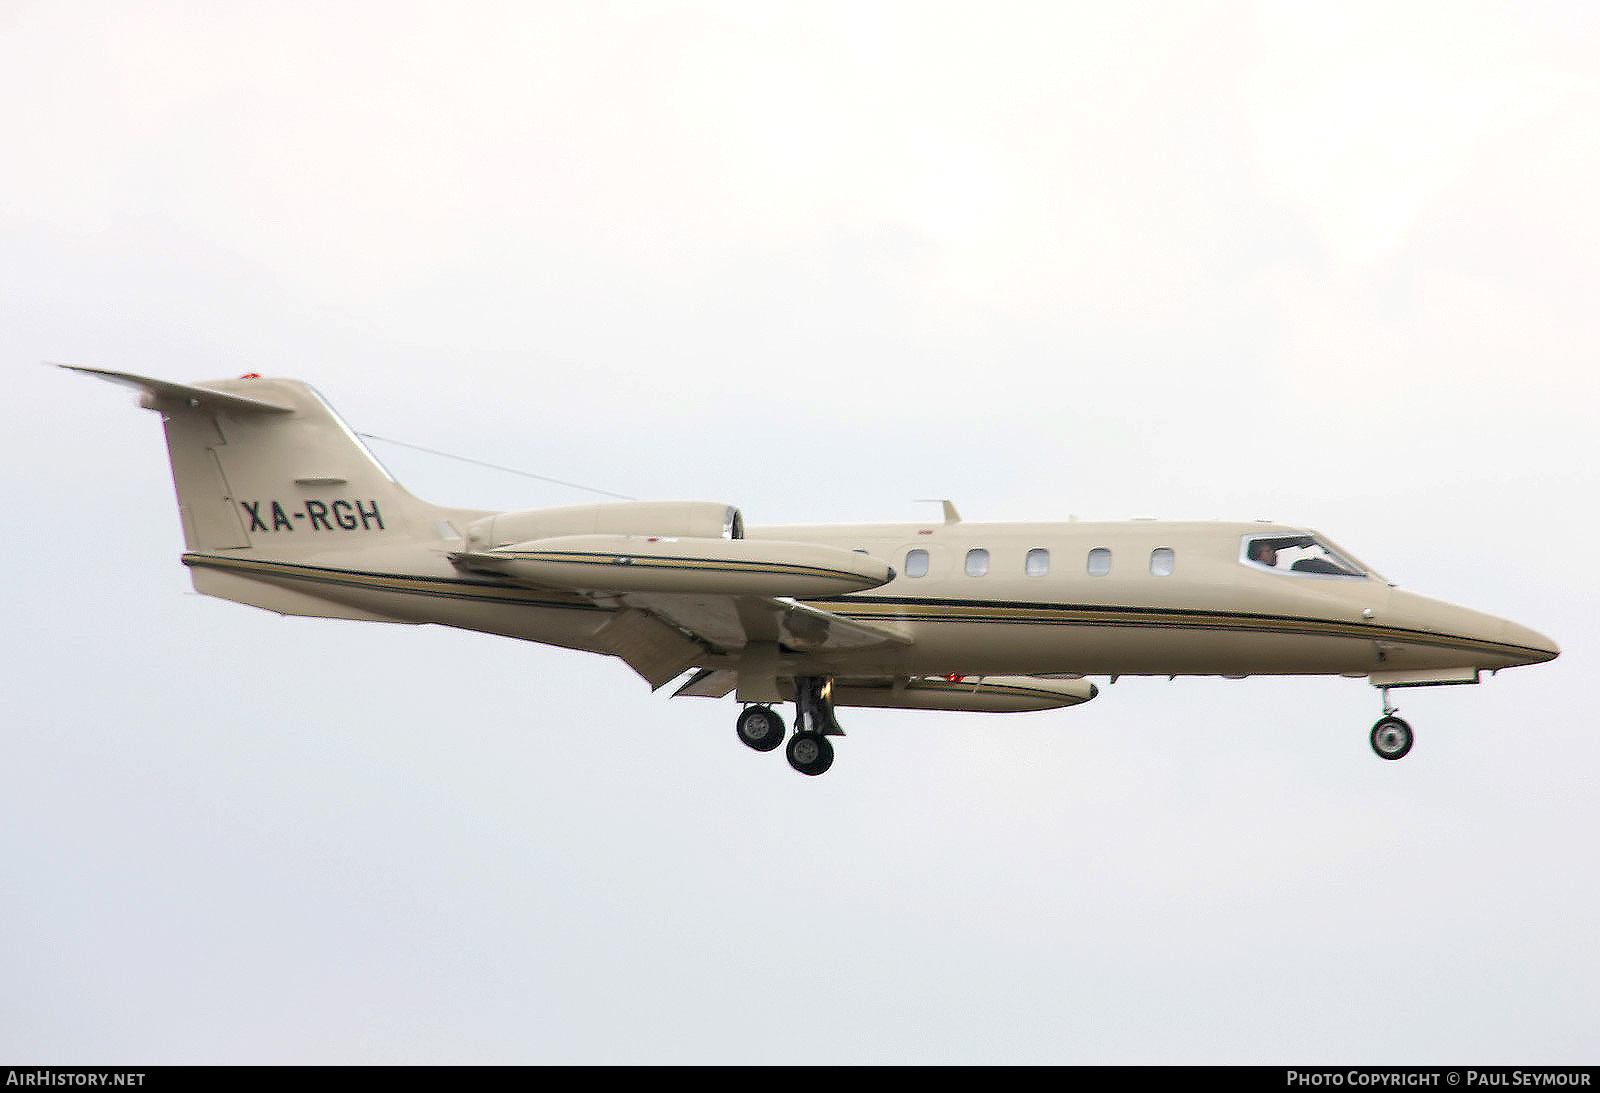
<point>1391,737</point>
<point>810,751</point>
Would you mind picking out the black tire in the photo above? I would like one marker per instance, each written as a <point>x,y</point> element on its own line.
<point>760,727</point>
<point>809,753</point>
<point>1391,738</point>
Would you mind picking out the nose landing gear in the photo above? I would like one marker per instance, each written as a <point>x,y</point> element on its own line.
<point>1391,737</point>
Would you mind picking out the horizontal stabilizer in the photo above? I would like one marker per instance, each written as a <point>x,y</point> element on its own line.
<point>182,392</point>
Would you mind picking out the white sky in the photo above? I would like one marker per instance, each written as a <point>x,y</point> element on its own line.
<point>1324,263</point>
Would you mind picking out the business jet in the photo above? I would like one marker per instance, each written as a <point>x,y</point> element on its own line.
<point>284,508</point>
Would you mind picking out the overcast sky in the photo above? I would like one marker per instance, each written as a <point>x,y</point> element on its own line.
<point>1330,264</point>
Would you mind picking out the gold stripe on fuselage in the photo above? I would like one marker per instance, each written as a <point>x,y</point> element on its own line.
<point>929,610</point>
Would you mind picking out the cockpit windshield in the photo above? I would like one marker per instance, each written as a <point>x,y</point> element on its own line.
<point>1299,554</point>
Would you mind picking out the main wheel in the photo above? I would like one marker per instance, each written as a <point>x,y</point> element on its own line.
<point>1391,738</point>
<point>810,753</point>
<point>761,728</point>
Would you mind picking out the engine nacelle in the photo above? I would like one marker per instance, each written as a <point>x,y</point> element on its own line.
<point>688,519</point>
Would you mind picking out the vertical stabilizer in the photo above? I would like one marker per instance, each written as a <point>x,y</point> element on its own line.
<point>266,464</point>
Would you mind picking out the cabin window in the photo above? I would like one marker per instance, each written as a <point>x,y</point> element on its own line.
<point>1298,555</point>
<point>977,562</point>
<point>1099,562</point>
<point>1161,560</point>
<point>916,563</point>
<point>1037,563</point>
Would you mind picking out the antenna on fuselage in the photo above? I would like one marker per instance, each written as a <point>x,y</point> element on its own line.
<point>951,516</point>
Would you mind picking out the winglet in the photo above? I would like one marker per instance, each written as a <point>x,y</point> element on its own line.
<point>194,396</point>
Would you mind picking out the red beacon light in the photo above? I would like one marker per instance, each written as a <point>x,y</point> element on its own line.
<point>251,376</point>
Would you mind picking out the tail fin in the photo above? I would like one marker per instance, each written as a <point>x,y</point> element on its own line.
<point>267,464</point>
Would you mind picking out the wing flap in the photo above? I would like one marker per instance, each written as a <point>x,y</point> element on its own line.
<point>709,683</point>
<point>657,651</point>
<point>729,623</point>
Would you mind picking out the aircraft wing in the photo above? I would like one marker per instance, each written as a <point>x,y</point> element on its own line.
<point>686,599</point>
<point>661,635</point>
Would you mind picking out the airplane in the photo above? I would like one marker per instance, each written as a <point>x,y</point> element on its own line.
<point>284,508</point>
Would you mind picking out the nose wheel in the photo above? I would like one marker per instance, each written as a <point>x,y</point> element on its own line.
<point>1391,737</point>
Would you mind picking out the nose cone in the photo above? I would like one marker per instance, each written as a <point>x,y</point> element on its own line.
<point>1443,634</point>
<point>1534,646</point>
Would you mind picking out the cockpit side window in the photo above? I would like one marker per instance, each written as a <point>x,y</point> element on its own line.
<point>1298,555</point>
